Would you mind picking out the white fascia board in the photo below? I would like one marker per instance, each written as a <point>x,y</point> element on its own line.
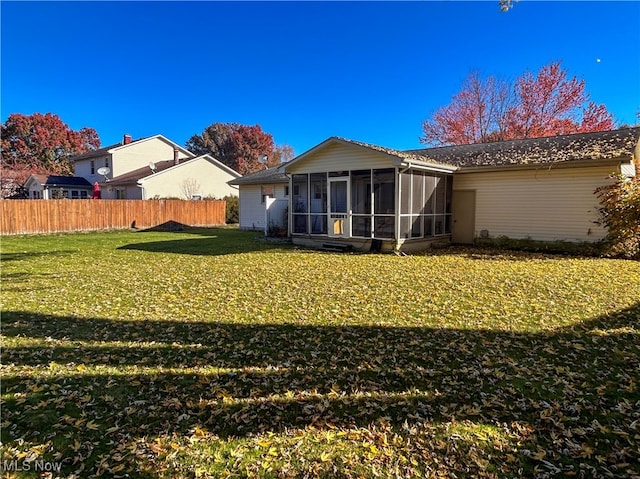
<point>154,137</point>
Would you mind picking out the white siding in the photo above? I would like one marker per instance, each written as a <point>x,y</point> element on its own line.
<point>252,210</point>
<point>337,157</point>
<point>139,153</point>
<point>544,204</point>
<point>252,215</point>
<point>83,168</point>
<point>195,177</point>
<point>628,169</point>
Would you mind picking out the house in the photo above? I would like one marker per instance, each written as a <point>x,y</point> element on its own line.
<point>49,187</point>
<point>194,178</point>
<point>349,193</point>
<point>154,167</point>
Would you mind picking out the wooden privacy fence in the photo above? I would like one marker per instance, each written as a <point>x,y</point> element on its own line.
<point>53,216</point>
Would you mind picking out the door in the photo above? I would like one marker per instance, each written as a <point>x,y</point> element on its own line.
<point>338,207</point>
<point>463,211</point>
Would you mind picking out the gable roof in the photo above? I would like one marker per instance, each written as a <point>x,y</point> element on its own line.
<point>60,180</point>
<point>274,174</point>
<point>117,146</point>
<point>602,145</point>
<point>399,156</point>
<point>132,177</point>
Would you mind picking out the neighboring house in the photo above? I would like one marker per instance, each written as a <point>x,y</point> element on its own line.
<point>197,178</point>
<point>154,167</point>
<point>264,199</point>
<point>370,197</point>
<point>49,187</point>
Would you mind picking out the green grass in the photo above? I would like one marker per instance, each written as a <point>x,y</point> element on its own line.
<point>213,353</point>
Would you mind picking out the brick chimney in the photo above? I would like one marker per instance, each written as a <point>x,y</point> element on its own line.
<point>176,160</point>
<point>126,140</point>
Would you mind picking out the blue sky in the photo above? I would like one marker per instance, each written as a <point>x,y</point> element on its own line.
<point>304,71</point>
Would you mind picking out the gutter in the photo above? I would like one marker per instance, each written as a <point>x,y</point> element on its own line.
<point>541,166</point>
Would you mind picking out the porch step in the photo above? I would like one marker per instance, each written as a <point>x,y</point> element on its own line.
<point>339,247</point>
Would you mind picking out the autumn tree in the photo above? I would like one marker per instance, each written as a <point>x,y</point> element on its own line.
<point>239,146</point>
<point>545,104</point>
<point>41,144</point>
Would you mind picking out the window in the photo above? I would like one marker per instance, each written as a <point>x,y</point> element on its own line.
<point>121,194</point>
<point>300,199</point>
<point>425,200</point>
<point>300,203</point>
<point>267,191</point>
<point>384,192</point>
<point>93,167</point>
<point>75,194</point>
<point>361,203</point>
<point>106,162</point>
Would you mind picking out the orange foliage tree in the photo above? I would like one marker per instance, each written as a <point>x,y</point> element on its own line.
<point>239,146</point>
<point>545,104</point>
<point>40,144</point>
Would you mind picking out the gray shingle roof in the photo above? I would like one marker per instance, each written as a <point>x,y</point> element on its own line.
<point>410,155</point>
<point>583,146</point>
<point>94,153</point>
<point>58,180</point>
<point>139,173</point>
<point>275,174</point>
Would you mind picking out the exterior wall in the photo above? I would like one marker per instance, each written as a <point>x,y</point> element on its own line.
<point>546,204</point>
<point>131,192</point>
<point>252,209</point>
<point>139,153</point>
<point>83,168</point>
<point>207,178</point>
<point>338,157</point>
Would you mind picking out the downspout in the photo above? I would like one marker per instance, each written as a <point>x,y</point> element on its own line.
<point>290,209</point>
<point>397,207</point>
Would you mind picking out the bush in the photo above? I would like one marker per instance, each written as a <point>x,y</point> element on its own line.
<point>233,209</point>
<point>620,214</point>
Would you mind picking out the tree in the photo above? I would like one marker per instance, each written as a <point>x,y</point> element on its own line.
<point>620,213</point>
<point>475,115</point>
<point>544,104</point>
<point>41,144</point>
<point>239,146</point>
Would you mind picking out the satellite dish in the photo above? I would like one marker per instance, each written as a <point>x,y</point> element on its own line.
<point>152,165</point>
<point>104,170</point>
<point>263,159</point>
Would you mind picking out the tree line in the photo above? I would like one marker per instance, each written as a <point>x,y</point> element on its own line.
<point>546,103</point>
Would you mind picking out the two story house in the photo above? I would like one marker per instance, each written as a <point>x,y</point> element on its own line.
<point>147,168</point>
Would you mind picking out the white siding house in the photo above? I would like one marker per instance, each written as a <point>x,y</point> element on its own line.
<point>368,196</point>
<point>154,167</point>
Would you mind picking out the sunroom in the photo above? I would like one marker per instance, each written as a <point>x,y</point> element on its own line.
<point>351,194</point>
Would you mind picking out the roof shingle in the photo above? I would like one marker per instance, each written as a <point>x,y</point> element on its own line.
<point>583,146</point>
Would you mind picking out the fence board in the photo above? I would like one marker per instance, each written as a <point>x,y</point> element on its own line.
<point>55,216</point>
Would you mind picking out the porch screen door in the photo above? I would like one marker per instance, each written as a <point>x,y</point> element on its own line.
<point>338,207</point>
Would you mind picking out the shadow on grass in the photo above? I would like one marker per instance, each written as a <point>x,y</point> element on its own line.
<point>211,242</point>
<point>573,389</point>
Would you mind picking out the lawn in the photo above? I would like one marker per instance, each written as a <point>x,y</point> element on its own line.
<point>213,353</point>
